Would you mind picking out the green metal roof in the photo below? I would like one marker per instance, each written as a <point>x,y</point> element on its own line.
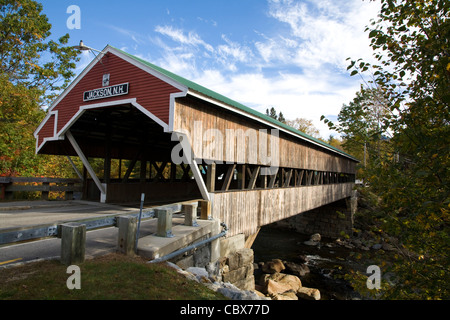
<point>217,96</point>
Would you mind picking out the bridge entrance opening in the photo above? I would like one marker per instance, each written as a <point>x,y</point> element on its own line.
<point>130,154</point>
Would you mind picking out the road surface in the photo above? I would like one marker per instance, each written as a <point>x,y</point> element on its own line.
<point>32,213</point>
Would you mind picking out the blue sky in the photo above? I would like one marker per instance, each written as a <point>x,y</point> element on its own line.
<point>286,54</point>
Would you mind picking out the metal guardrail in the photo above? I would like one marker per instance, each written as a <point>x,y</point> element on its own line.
<point>13,235</point>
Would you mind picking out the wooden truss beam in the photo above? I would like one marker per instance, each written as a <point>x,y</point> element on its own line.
<point>87,165</point>
<point>228,177</point>
<point>253,177</point>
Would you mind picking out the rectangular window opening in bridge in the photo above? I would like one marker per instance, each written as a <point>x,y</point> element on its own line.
<point>243,177</point>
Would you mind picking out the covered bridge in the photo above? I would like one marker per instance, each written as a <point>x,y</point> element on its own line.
<point>175,140</point>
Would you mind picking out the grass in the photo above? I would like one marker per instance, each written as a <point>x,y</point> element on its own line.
<point>110,277</point>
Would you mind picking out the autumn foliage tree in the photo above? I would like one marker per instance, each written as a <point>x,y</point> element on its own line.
<point>411,44</point>
<point>364,126</point>
<point>33,70</point>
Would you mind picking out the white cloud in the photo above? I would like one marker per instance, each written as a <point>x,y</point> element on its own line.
<point>326,32</point>
<point>177,35</point>
<point>300,70</point>
<point>296,95</point>
<point>231,52</point>
<point>321,36</point>
<point>234,50</point>
<point>135,36</point>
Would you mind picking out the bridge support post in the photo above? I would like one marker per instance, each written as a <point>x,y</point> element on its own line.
<point>211,177</point>
<point>205,211</point>
<point>73,243</point>
<point>215,245</point>
<point>352,202</point>
<point>190,214</point>
<point>127,235</point>
<point>164,223</point>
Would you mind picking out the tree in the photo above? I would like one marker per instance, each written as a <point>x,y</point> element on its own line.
<point>336,142</point>
<point>33,70</point>
<point>411,44</point>
<point>304,125</point>
<point>364,125</point>
<point>273,114</point>
<point>281,117</point>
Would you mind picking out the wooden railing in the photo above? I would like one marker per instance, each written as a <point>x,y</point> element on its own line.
<point>11,185</point>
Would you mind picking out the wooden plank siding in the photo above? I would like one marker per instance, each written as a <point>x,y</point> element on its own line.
<point>198,118</point>
<point>47,131</point>
<point>150,92</point>
<point>246,211</point>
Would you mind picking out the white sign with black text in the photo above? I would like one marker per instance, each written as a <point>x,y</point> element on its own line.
<point>108,92</point>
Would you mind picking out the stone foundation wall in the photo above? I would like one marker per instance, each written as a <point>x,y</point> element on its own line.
<point>198,257</point>
<point>235,265</point>
<point>238,269</point>
<point>329,221</point>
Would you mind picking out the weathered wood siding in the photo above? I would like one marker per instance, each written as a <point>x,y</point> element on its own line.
<point>246,211</point>
<point>201,120</point>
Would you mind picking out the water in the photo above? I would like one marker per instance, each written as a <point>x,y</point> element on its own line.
<point>328,263</point>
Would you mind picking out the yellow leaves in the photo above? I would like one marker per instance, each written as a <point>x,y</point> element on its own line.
<point>448,67</point>
<point>33,65</point>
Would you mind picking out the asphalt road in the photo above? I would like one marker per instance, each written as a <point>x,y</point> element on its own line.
<point>98,242</point>
<point>25,214</point>
<point>33,213</point>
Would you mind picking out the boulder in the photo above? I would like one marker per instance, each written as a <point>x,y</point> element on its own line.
<point>240,258</point>
<point>274,266</point>
<point>258,293</point>
<point>308,293</point>
<point>314,240</point>
<point>215,269</point>
<point>234,293</point>
<point>274,288</point>
<point>200,273</point>
<point>290,295</point>
<point>279,283</point>
<point>303,258</point>
<point>315,237</point>
<point>298,270</point>
<point>238,274</point>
